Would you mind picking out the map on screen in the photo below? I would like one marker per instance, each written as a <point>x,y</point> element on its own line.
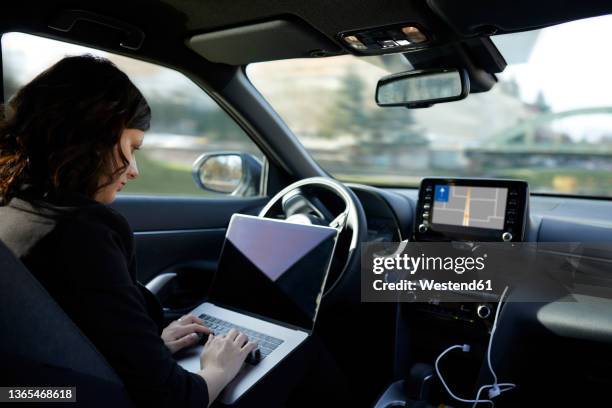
<point>480,207</point>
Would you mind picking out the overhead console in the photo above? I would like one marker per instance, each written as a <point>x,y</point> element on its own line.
<point>395,38</point>
<point>457,209</point>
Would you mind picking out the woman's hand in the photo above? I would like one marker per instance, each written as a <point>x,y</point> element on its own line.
<point>182,333</point>
<point>222,358</point>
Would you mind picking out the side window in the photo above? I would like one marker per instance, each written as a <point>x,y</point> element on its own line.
<point>186,123</point>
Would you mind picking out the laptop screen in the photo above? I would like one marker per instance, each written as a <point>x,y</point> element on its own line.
<point>274,269</point>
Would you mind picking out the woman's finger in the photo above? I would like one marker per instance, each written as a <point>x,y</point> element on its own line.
<point>248,347</point>
<point>232,334</point>
<point>241,339</point>
<point>181,331</point>
<point>183,342</point>
<point>189,318</point>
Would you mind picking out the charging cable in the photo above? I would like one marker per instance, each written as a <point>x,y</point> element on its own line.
<point>496,388</point>
<point>465,348</point>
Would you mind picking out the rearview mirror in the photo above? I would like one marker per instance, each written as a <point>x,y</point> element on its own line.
<point>419,89</point>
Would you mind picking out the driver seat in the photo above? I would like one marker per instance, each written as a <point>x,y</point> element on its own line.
<point>41,346</point>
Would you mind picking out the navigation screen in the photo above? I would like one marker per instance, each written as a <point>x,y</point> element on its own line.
<point>480,207</point>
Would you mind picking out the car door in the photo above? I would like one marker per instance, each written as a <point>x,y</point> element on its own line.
<point>178,226</point>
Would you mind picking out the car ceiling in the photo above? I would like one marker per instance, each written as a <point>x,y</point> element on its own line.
<point>327,16</point>
<point>174,21</point>
<point>458,30</point>
<point>450,19</point>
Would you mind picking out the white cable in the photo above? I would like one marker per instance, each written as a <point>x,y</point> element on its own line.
<point>464,348</point>
<point>478,395</point>
<point>508,385</point>
<point>499,306</point>
<point>495,386</point>
<point>494,389</point>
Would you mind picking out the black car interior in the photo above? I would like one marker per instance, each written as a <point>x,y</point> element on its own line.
<point>557,352</point>
<point>30,356</point>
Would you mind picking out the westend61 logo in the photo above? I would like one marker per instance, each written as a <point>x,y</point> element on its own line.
<point>480,271</point>
<point>413,264</point>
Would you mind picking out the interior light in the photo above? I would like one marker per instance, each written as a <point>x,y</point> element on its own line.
<point>385,39</point>
<point>413,34</point>
<point>354,42</point>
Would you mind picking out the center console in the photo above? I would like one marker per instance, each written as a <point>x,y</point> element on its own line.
<point>472,210</point>
<point>469,210</point>
<point>463,211</point>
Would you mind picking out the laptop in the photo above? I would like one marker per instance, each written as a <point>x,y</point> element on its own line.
<point>268,285</point>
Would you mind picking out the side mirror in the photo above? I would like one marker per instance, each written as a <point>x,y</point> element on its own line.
<point>232,173</point>
<point>420,89</point>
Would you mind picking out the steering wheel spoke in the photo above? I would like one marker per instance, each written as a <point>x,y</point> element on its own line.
<point>340,221</point>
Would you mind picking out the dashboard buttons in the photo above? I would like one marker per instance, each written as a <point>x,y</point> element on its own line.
<point>422,228</point>
<point>506,237</point>
<point>483,311</point>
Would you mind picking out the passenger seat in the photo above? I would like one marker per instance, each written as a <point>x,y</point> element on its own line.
<point>41,346</point>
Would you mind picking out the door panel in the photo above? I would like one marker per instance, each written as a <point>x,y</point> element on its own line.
<point>181,235</point>
<point>165,251</point>
<point>159,214</point>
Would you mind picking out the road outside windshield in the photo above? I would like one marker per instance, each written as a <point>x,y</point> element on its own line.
<point>548,120</point>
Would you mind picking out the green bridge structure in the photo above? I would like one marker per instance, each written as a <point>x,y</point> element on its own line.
<point>521,139</point>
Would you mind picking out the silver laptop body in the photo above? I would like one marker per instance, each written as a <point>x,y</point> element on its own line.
<point>257,235</point>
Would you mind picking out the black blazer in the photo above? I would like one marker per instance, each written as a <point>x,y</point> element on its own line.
<point>82,252</point>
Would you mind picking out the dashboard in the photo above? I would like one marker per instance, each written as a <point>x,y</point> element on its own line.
<point>549,218</point>
<point>394,215</point>
<point>542,331</point>
<point>465,210</point>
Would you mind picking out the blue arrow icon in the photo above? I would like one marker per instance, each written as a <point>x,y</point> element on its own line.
<point>441,194</point>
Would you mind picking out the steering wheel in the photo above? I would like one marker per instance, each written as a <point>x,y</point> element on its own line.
<point>325,201</point>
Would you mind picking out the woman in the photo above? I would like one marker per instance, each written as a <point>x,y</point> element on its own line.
<point>67,144</point>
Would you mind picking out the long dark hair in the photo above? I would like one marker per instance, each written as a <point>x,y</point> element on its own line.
<point>58,133</point>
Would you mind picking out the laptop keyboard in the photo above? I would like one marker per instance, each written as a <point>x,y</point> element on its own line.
<point>266,344</point>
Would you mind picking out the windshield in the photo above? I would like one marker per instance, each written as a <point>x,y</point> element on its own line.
<point>548,120</point>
